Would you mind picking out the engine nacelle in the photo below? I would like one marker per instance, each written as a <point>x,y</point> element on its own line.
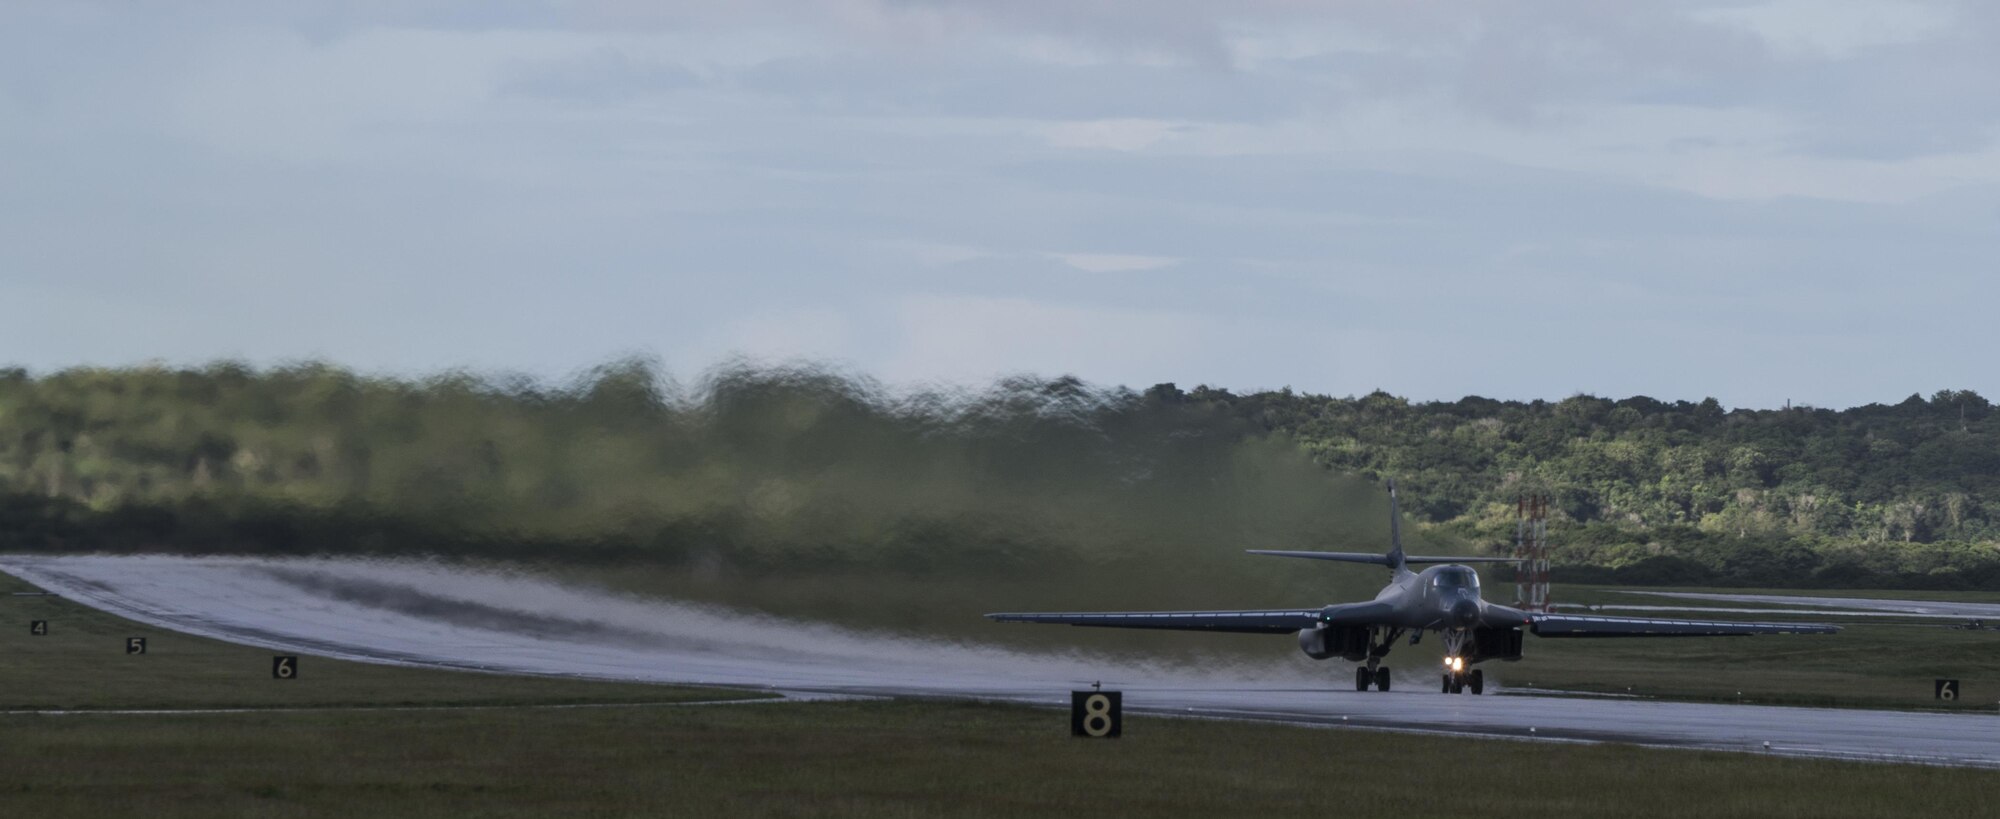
<point>1496,644</point>
<point>1328,642</point>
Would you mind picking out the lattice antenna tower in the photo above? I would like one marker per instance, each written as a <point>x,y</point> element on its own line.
<point>1531,545</point>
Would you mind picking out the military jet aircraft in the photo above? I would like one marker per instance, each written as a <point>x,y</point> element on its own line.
<point>1443,598</point>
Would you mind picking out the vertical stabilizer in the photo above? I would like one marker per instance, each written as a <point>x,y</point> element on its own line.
<point>1395,532</point>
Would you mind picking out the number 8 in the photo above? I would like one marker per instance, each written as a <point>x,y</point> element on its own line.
<point>1097,715</point>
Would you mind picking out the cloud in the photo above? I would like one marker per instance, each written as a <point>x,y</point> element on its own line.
<point>1109,134</point>
<point>1113,262</point>
<point>1338,196</point>
<point>1818,29</point>
<point>959,338</point>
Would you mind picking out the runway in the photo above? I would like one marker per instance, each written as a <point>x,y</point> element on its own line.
<point>1914,608</point>
<point>427,614</point>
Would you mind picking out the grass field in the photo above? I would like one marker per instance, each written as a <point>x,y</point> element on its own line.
<point>889,759</point>
<point>81,663</point>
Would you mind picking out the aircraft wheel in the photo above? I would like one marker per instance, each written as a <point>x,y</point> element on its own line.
<point>1447,683</point>
<point>1361,678</point>
<point>1478,681</point>
<point>1382,678</point>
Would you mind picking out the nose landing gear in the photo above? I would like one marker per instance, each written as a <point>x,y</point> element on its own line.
<point>1458,676</point>
<point>1459,681</point>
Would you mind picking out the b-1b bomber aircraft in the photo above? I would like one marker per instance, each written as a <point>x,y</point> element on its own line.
<point>1442,598</point>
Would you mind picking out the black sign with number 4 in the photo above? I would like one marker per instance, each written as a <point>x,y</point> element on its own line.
<point>38,628</point>
<point>284,667</point>
<point>1947,690</point>
<point>1096,714</point>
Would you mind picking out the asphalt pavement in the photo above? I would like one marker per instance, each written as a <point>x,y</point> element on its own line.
<point>430,614</point>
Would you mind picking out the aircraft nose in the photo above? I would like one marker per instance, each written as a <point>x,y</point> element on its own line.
<point>1464,613</point>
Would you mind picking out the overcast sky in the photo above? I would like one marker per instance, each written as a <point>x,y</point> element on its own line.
<point>1757,201</point>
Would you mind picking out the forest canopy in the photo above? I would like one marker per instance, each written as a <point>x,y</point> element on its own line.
<point>779,468</point>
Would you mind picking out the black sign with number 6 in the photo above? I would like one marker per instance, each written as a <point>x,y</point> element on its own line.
<point>38,627</point>
<point>1947,690</point>
<point>284,667</point>
<point>135,645</point>
<point>1096,713</point>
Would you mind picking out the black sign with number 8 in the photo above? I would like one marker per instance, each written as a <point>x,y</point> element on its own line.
<point>1096,713</point>
<point>284,667</point>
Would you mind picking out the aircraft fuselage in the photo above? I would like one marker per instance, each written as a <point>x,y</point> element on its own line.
<point>1442,598</point>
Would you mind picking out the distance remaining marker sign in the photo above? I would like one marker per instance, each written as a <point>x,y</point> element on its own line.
<point>1947,690</point>
<point>135,645</point>
<point>1096,714</point>
<point>284,667</point>
<point>39,628</point>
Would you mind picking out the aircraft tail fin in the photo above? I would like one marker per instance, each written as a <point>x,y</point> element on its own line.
<point>1394,560</point>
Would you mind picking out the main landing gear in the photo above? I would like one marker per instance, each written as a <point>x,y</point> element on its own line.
<point>1374,672</point>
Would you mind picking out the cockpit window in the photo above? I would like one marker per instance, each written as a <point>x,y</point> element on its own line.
<point>1455,579</point>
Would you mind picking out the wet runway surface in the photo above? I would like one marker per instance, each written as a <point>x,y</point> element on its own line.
<point>417,613</point>
<point>1924,608</point>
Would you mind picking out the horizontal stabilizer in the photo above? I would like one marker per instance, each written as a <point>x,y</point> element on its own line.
<point>1344,557</point>
<point>1383,560</point>
<point>1461,559</point>
<point>1263,621</point>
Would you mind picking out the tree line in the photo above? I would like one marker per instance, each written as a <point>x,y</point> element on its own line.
<point>1676,491</point>
<point>784,468</point>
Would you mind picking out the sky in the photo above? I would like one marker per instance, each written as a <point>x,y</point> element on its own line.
<point>1757,201</point>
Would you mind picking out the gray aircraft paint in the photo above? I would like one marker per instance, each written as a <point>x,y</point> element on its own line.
<point>1440,598</point>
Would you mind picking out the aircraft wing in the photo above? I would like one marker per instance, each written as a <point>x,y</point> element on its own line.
<point>1253,621</point>
<point>1383,560</point>
<point>1578,625</point>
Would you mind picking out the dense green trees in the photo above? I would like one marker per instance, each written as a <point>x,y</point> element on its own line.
<point>753,468</point>
<point>1906,493</point>
<point>789,467</point>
